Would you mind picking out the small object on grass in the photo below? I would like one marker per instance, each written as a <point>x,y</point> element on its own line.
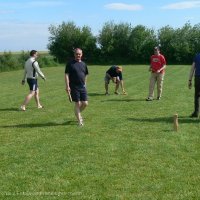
<point>176,122</point>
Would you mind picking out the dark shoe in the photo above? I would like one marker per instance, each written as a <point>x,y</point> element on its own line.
<point>117,93</point>
<point>149,99</point>
<point>194,114</point>
<point>158,98</point>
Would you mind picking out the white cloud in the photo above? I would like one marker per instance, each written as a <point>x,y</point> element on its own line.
<point>182,5</point>
<point>122,6</point>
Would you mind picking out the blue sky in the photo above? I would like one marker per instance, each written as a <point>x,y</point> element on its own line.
<point>24,23</point>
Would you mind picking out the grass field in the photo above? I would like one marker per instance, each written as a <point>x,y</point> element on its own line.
<point>126,150</point>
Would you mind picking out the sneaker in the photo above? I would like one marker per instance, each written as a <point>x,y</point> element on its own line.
<point>117,93</point>
<point>40,106</point>
<point>80,123</point>
<point>158,98</point>
<point>149,99</point>
<point>107,93</point>
<point>22,108</point>
<point>194,114</point>
<point>124,93</point>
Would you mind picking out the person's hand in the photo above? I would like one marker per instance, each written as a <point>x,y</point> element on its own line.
<point>189,84</point>
<point>23,82</point>
<point>150,69</point>
<point>44,78</point>
<point>158,71</point>
<point>117,79</point>
<point>68,90</point>
<point>114,79</point>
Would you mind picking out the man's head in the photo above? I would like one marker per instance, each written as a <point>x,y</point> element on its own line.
<point>119,69</point>
<point>34,53</point>
<point>78,54</point>
<point>156,50</point>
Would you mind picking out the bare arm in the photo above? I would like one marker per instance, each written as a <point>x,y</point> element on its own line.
<point>150,68</point>
<point>67,83</point>
<point>85,80</point>
<point>24,77</point>
<point>163,67</point>
<point>122,85</point>
<point>37,68</point>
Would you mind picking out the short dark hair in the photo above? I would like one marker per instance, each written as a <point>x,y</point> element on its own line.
<point>33,52</point>
<point>157,48</point>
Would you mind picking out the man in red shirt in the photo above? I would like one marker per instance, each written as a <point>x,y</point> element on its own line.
<point>157,69</point>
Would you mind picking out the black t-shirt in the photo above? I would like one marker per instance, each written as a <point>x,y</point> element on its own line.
<point>113,73</point>
<point>77,72</point>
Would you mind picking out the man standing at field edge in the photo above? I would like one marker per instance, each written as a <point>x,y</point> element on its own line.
<point>76,73</point>
<point>195,71</point>
<point>157,69</point>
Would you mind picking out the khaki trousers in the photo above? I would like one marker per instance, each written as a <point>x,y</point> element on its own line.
<point>159,78</point>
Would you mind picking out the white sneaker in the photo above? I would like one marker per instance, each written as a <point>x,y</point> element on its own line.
<point>80,123</point>
<point>40,106</point>
<point>22,108</point>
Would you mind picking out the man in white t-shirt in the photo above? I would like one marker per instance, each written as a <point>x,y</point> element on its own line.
<point>31,73</point>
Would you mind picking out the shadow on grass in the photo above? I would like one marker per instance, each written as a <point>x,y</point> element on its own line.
<point>9,109</point>
<point>181,119</point>
<point>48,124</point>
<point>125,100</point>
<point>95,94</point>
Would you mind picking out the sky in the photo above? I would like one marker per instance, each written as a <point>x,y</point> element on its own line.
<point>24,23</point>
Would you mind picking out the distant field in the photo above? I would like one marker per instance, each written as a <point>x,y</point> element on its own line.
<point>126,150</point>
<point>19,52</point>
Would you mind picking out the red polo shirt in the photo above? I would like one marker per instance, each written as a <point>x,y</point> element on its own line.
<point>157,62</point>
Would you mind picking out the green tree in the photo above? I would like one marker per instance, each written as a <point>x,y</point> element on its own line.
<point>67,36</point>
<point>141,43</point>
<point>165,36</point>
<point>106,41</point>
<point>195,38</point>
<point>180,45</point>
<point>113,40</point>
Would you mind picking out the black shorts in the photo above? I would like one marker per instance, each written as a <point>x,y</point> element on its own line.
<point>79,94</point>
<point>33,85</point>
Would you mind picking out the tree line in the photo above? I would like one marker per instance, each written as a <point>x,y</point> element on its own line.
<point>115,44</point>
<point>123,43</point>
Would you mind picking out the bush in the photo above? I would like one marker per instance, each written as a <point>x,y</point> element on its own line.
<point>10,61</point>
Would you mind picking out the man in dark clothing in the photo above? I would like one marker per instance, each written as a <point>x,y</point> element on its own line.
<point>75,79</point>
<point>195,71</point>
<point>114,73</point>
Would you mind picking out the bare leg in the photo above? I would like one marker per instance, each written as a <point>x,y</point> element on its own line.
<point>106,87</point>
<point>77,112</point>
<point>117,87</point>
<point>27,99</point>
<point>84,104</point>
<point>79,107</point>
<point>37,98</point>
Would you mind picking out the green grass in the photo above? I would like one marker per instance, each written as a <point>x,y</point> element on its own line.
<point>126,150</point>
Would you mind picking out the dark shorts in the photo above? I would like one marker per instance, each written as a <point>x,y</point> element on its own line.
<point>33,85</point>
<point>79,94</point>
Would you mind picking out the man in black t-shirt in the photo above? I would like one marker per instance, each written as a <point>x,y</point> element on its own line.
<point>75,79</point>
<point>114,73</point>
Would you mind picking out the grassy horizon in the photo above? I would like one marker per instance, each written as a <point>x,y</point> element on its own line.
<point>126,150</point>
